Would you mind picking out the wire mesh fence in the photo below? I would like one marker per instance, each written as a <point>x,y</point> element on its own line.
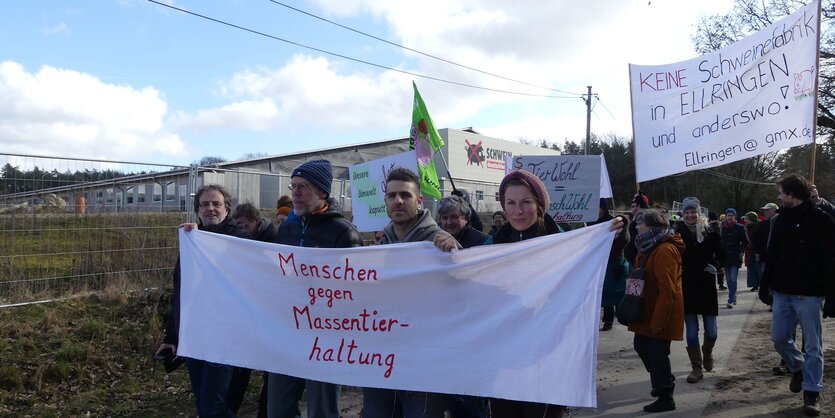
<point>71,225</point>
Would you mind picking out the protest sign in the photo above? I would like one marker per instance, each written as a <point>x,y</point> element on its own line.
<point>755,96</point>
<point>368,189</point>
<point>573,182</point>
<point>513,321</point>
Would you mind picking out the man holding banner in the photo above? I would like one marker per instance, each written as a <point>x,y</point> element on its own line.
<point>409,223</point>
<point>314,222</point>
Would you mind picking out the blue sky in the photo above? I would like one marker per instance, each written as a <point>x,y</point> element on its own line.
<point>132,80</point>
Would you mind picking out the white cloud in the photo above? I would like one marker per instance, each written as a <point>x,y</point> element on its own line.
<point>59,29</point>
<point>307,93</point>
<point>67,113</point>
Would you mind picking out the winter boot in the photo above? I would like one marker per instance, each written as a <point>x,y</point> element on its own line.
<point>796,385</point>
<point>811,403</point>
<point>707,353</point>
<point>664,402</point>
<point>696,362</point>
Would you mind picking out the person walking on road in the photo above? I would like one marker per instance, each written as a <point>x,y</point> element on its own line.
<point>662,320</point>
<point>703,249</point>
<point>800,271</point>
<point>734,241</point>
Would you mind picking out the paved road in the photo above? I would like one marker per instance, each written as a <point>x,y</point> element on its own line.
<point>627,396</point>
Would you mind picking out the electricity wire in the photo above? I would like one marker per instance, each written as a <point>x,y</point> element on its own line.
<point>441,80</point>
<point>415,50</point>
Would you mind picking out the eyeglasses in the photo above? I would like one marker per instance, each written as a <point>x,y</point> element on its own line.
<point>216,205</point>
<point>300,187</point>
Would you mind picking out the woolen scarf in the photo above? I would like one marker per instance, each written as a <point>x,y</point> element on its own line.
<point>646,241</point>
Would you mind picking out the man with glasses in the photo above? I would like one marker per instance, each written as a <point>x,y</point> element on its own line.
<point>316,221</point>
<point>218,388</point>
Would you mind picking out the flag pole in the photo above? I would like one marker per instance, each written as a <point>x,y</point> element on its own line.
<point>634,138</point>
<point>815,110</point>
<point>446,166</point>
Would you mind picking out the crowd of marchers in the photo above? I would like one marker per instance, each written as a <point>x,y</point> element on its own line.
<point>684,261</point>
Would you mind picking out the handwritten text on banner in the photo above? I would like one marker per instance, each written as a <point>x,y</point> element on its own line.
<point>515,321</point>
<point>750,98</point>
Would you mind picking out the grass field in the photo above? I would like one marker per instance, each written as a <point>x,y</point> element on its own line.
<point>92,354</point>
<point>51,255</point>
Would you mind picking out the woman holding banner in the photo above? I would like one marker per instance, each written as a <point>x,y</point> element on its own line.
<point>659,251</point>
<point>524,200</point>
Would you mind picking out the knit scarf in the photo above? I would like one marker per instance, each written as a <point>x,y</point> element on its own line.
<point>698,229</point>
<point>646,241</point>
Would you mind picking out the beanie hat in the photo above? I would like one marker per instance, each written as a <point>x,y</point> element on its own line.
<point>732,211</point>
<point>284,210</point>
<point>691,203</point>
<point>317,172</point>
<point>641,200</point>
<point>535,184</point>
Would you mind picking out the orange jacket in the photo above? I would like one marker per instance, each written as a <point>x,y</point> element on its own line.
<point>663,299</point>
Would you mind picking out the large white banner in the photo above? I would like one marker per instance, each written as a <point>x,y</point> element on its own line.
<point>750,98</point>
<point>574,183</point>
<point>368,189</point>
<point>514,321</point>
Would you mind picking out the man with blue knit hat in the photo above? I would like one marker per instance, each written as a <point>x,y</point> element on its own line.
<point>316,221</point>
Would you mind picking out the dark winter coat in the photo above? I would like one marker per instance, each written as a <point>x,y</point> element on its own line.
<point>734,241</point>
<point>266,232</point>
<point>663,301</point>
<point>507,234</point>
<point>328,229</point>
<point>172,326</point>
<point>698,285</point>
<point>801,256</point>
<point>759,240</point>
<point>470,237</point>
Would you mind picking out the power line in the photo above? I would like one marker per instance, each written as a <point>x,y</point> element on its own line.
<point>356,59</point>
<point>415,50</point>
<point>736,179</point>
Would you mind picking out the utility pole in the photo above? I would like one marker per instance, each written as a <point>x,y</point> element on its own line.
<point>588,120</point>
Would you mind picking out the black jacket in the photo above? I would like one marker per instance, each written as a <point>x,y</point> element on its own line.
<point>470,237</point>
<point>734,240</point>
<point>172,326</point>
<point>328,229</point>
<point>507,234</point>
<point>801,256</point>
<point>698,285</point>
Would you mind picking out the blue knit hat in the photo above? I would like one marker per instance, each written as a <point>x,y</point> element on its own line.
<point>730,210</point>
<point>317,172</point>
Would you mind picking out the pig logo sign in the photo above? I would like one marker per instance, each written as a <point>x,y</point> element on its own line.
<point>804,83</point>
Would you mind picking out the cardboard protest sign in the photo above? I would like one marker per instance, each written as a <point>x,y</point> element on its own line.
<point>573,182</point>
<point>368,189</point>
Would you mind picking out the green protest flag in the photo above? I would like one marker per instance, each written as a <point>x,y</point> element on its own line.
<point>426,141</point>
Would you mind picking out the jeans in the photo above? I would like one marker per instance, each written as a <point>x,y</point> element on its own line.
<point>790,310</point>
<point>691,324</point>
<point>730,276</point>
<point>284,392</point>
<point>755,274</point>
<point>218,389</point>
<point>387,403</point>
<point>655,354</point>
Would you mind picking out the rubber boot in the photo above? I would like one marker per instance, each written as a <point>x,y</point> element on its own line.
<point>707,353</point>
<point>696,362</point>
<point>664,402</point>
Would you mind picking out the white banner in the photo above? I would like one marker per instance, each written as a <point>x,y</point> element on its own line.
<point>750,98</point>
<point>514,321</point>
<point>574,183</point>
<point>368,189</point>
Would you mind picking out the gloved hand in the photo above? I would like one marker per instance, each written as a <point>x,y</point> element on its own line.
<point>828,308</point>
<point>765,296</point>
